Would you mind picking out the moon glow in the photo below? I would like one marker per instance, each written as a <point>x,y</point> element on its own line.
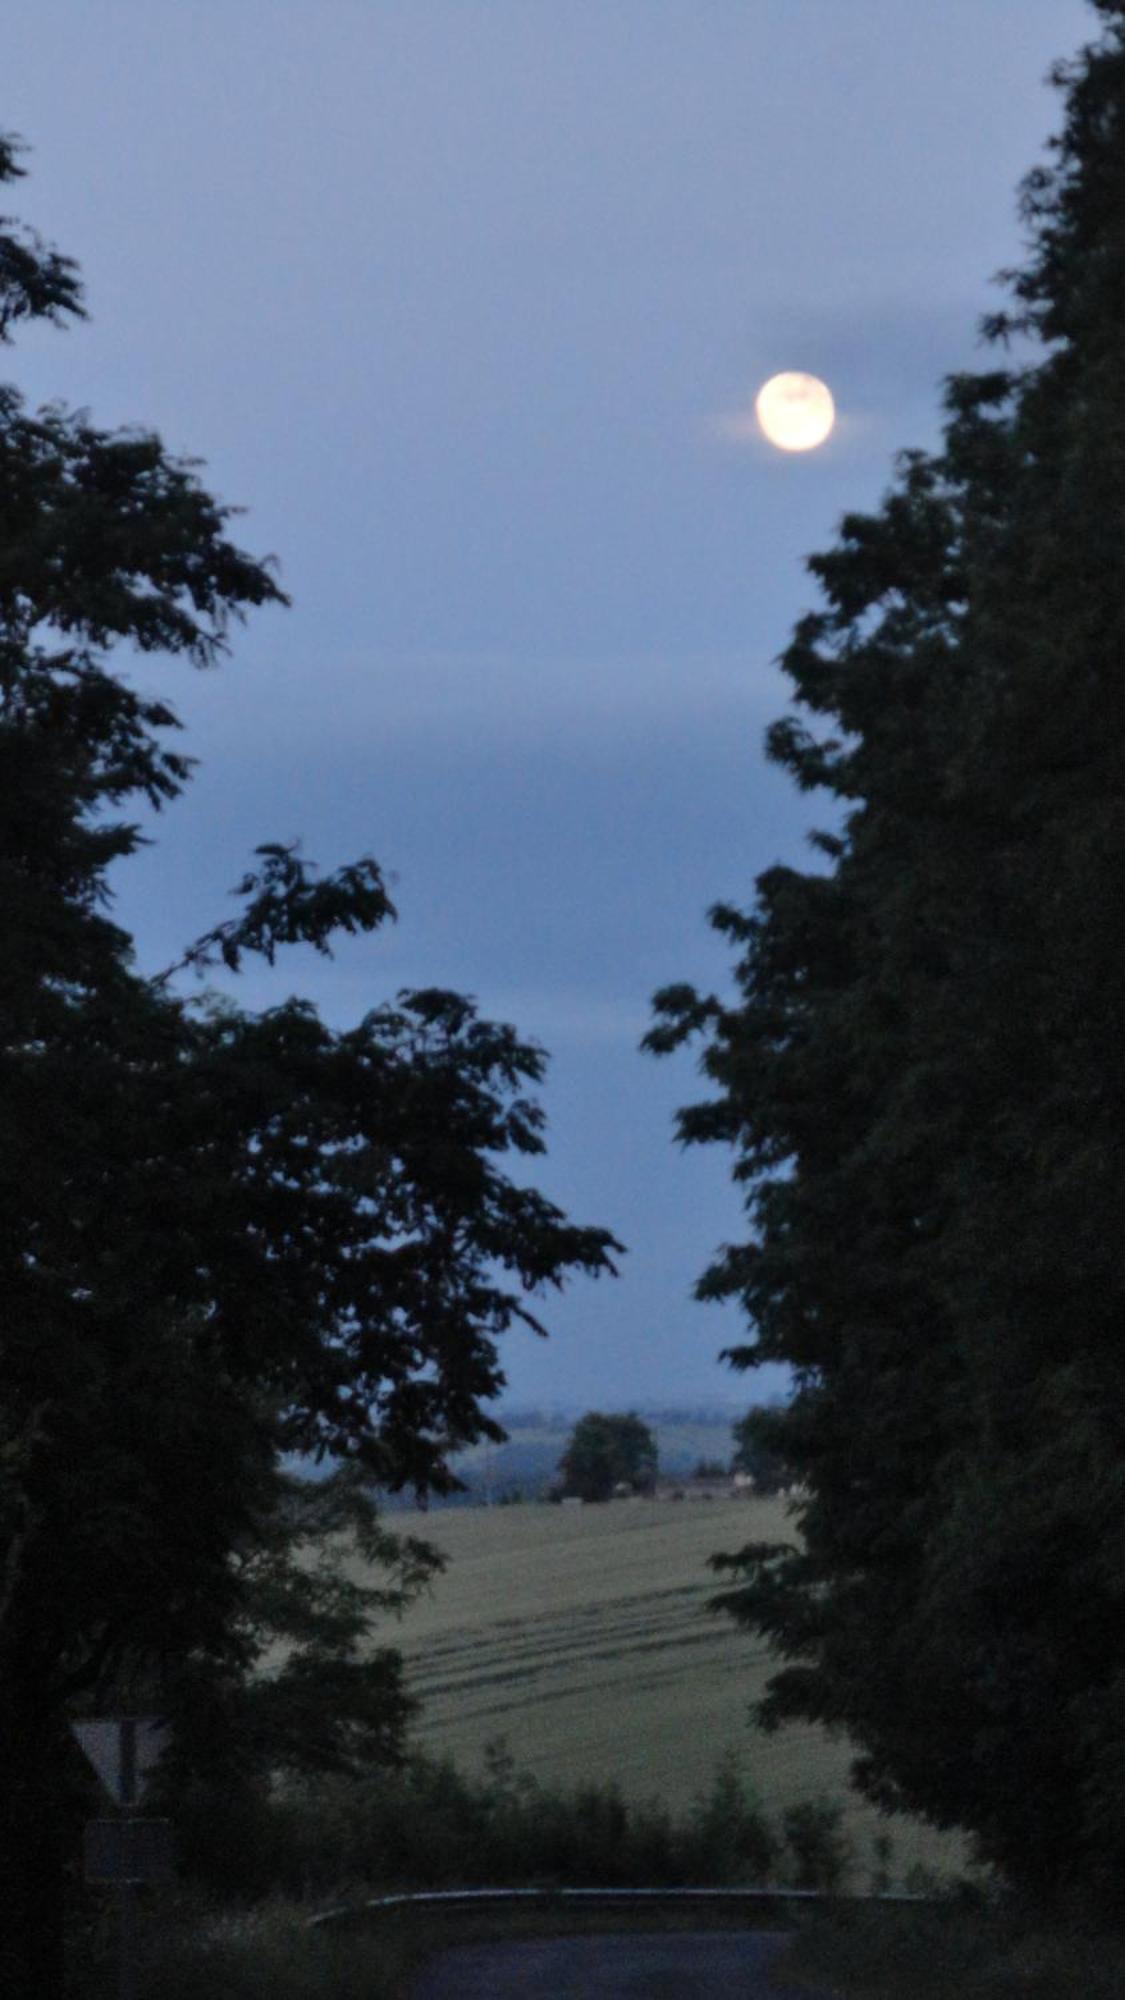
<point>795,411</point>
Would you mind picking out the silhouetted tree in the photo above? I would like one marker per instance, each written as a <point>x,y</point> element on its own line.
<point>608,1451</point>
<point>756,1449</point>
<point>923,1080</point>
<point>224,1236</point>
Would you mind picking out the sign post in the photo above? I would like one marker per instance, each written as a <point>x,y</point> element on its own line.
<point>123,1750</point>
<point>127,1891</point>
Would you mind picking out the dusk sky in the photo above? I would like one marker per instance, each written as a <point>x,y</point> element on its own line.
<point>466,303</point>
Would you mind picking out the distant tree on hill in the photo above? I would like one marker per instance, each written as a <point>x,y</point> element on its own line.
<point>756,1451</point>
<point>608,1451</point>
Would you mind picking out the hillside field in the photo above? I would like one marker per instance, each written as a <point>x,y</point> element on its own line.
<point>581,1636</point>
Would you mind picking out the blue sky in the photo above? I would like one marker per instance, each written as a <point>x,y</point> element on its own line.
<point>458,299</point>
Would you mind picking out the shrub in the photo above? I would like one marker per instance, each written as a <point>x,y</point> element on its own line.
<point>819,1846</point>
<point>268,1953</point>
<point>728,1839</point>
<point>429,1826</point>
<point>959,1949</point>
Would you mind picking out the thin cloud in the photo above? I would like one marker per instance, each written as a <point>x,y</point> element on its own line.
<point>509,698</point>
<point>560,1017</point>
<point>735,427</point>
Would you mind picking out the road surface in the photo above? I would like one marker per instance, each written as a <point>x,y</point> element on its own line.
<point>667,1965</point>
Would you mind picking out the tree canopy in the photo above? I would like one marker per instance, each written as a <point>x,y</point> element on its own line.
<point>224,1236</point>
<point>607,1451</point>
<point>921,1077</point>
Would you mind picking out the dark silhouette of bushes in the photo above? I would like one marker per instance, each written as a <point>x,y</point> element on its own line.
<point>429,1826</point>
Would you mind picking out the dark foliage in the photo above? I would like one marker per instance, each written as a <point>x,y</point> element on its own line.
<point>428,1825</point>
<point>922,1080</point>
<point>759,1451</point>
<point>223,1236</point>
<point>608,1451</point>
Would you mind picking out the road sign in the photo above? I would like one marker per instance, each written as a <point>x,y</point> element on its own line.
<point>128,1850</point>
<point>123,1750</point>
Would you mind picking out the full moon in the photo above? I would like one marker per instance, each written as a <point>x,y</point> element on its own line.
<point>795,411</point>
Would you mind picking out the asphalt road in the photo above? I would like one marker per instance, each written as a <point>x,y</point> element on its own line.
<point>671,1965</point>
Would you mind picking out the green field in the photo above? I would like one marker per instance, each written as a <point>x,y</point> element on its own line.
<point>581,1636</point>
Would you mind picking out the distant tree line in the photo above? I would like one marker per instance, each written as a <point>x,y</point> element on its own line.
<point>608,1454</point>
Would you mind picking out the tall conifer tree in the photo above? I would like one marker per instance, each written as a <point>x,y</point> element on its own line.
<point>923,1081</point>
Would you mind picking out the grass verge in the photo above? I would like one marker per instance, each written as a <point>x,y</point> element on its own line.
<point>270,1952</point>
<point>953,1951</point>
<point>849,1951</point>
